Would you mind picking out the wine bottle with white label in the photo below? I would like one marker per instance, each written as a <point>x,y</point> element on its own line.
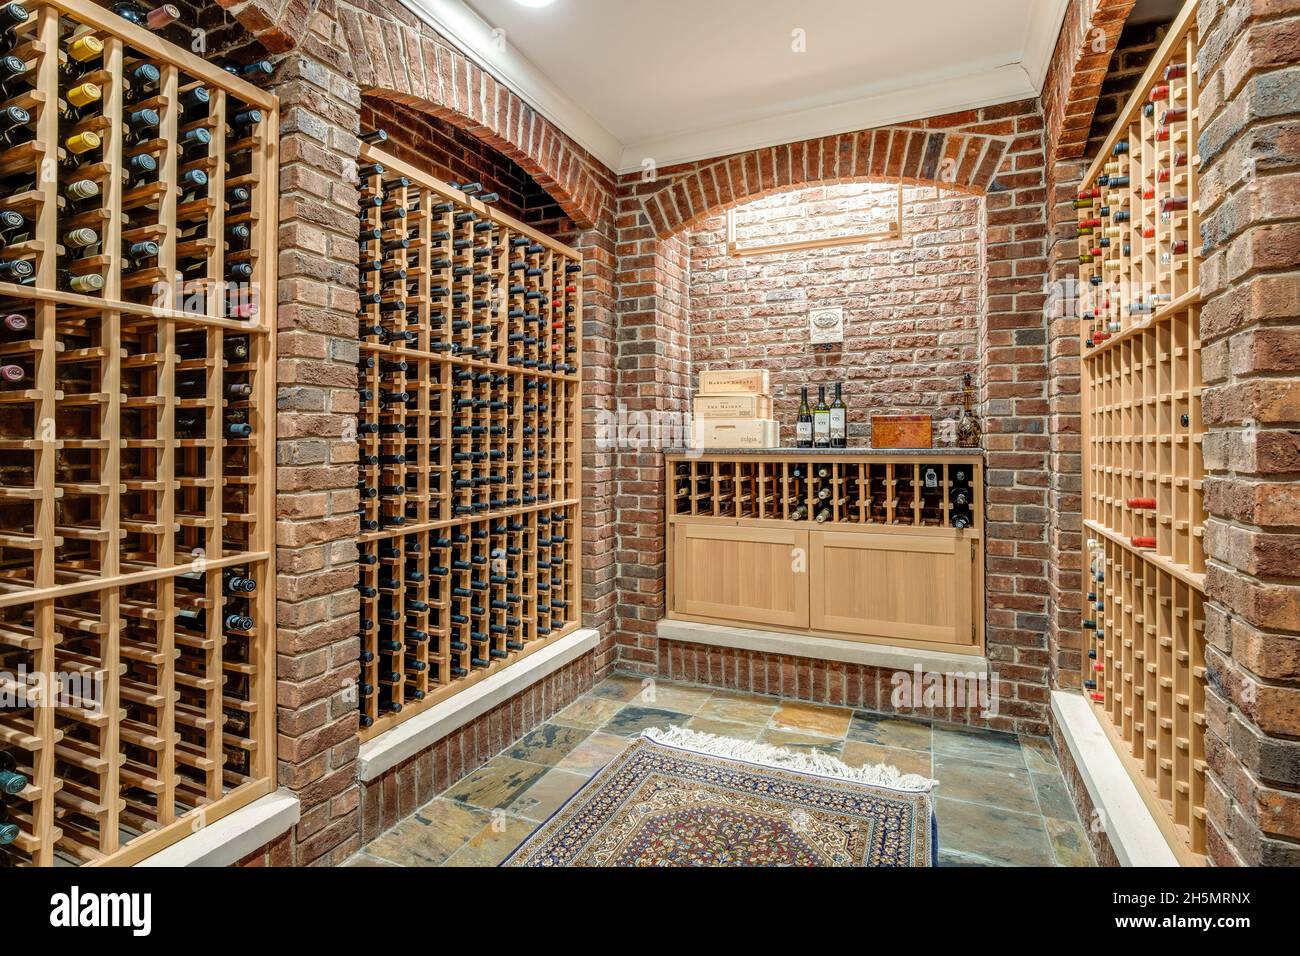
<point>839,419</point>
<point>821,420</point>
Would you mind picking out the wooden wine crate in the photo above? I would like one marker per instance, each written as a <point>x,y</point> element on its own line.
<point>127,494</point>
<point>470,441</point>
<point>740,405</point>
<point>859,547</point>
<point>731,381</point>
<point>1144,635</point>
<point>737,433</point>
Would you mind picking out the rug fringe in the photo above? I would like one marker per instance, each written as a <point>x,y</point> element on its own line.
<point>880,775</point>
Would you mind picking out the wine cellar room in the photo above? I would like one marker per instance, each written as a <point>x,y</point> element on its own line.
<point>564,433</point>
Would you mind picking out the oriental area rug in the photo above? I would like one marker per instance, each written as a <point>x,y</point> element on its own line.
<point>683,798</point>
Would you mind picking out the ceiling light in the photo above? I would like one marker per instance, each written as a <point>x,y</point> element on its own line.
<point>534,3</point>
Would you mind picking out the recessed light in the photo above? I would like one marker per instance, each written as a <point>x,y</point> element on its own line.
<point>534,3</point>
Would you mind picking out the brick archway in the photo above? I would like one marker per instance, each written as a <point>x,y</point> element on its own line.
<point>964,151</point>
<point>395,56</point>
<point>997,152</point>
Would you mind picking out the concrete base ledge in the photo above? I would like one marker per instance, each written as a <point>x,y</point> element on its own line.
<point>234,836</point>
<point>884,656</point>
<point>424,730</point>
<point>1133,832</point>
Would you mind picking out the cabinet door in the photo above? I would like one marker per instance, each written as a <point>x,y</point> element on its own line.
<point>899,586</point>
<point>741,574</point>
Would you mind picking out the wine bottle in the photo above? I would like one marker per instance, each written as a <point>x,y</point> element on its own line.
<point>78,145</point>
<point>821,420</point>
<point>804,428</point>
<point>839,419</point>
<point>75,101</point>
<point>16,270</point>
<point>14,122</point>
<point>12,782</point>
<point>11,15</point>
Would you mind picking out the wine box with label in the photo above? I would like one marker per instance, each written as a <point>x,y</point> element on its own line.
<point>741,405</point>
<point>751,381</point>
<point>737,433</point>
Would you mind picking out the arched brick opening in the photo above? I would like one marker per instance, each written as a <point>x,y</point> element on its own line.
<point>995,152</point>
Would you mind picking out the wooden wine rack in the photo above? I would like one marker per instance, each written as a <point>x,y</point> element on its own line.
<point>858,490</point>
<point>1144,632</point>
<point>879,547</point>
<point>470,441</point>
<point>125,500</point>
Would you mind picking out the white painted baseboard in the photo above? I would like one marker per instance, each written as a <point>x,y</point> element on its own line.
<point>1133,832</point>
<point>821,648</point>
<point>425,729</point>
<point>234,836</point>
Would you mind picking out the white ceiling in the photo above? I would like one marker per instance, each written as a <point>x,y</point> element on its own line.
<point>678,80</point>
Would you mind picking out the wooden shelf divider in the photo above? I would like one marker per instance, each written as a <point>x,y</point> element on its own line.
<point>1143,648</point>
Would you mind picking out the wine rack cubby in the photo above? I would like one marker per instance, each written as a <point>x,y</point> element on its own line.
<point>881,547</point>
<point>1143,653</point>
<point>136,415</point>
<point>469,440</point>
<point>898,493</point>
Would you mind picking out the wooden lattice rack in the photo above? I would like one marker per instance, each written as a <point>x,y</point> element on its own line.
<point>938,493</point>
<point>1144,665</point>
<point>470,444</point>
<point>872,546</point>
<point>137,475</point>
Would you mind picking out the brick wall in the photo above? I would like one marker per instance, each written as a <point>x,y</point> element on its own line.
<point>454,155</point>
<point>316,474</point>
<point>911,305</point>
<point>1137,44</point>
<point>1250,333</point>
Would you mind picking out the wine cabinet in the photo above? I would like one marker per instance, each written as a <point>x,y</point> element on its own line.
<point>469,439</point>
<point>137,402</point>
<point>1144,626</point>
<point>864,546</point>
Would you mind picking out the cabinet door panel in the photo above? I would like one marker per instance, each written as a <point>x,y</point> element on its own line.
<point>903,587</point>
<point>741,574</point>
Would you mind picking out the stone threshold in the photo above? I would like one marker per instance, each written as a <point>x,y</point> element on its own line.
<point>422,731</point>
<point>1132,830</point>
<point>884,656</point>
<point>235,835</point>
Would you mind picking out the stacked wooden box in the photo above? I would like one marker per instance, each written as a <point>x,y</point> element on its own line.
<point>733,409</point>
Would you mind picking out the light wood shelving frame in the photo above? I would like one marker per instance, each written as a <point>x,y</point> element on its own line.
<point>1144,567</point>
<point>748,504</point>
<point>125,501</point>
<point>443,558</point>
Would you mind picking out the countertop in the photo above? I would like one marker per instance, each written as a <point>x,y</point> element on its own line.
<point>831,452</point>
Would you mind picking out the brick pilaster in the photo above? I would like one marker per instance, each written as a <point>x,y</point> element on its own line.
<point>1250,333</point>
<point>316,454</point>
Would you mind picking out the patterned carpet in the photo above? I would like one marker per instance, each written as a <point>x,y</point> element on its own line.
<point>680,798</point>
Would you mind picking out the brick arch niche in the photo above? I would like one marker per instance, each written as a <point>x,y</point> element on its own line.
<point>996,152</point>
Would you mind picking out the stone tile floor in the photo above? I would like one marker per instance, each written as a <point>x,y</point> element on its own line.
<point>1001,800</point>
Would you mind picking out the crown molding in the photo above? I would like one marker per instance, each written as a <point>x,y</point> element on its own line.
<point>1040,39</point>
